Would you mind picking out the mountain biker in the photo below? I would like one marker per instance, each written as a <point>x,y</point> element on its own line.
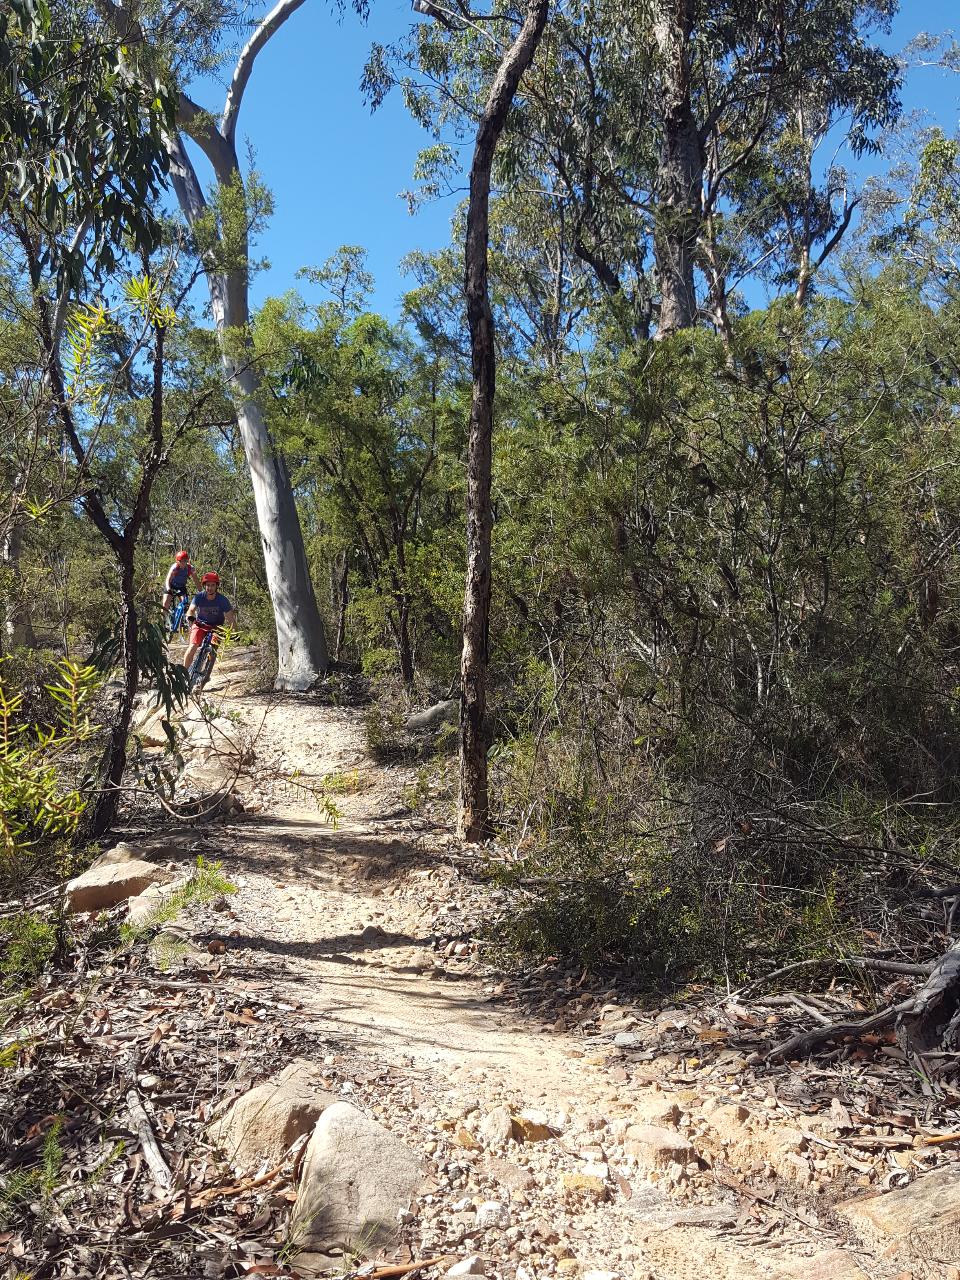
<point>178,575</point>
<point>211,609</point>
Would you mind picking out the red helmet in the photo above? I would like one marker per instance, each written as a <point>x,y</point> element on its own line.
<point>210,577</point>
<point>182,556</point>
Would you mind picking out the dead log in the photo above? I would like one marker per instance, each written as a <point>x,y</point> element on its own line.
<point>929,1019</point>
<point>932,1019</point>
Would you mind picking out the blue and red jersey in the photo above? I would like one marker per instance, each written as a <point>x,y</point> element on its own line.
<point>211,612</point>
<point>179,575</point>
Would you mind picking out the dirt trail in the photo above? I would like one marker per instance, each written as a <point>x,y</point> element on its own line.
<point>354,901</point>
<point>346,918</point>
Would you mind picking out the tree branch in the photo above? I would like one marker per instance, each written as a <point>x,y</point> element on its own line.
<point>268,27</point>
<point>198,125</point>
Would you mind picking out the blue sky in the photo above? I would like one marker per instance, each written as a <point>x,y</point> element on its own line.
<point>336,171</point>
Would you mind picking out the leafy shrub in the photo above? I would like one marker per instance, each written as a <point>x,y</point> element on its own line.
<point>29,943</point>
<point>39,763</point>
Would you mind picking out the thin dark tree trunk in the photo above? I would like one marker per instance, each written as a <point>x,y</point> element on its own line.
<point>474,799</point>
<point>679,173</point>
<point>404,643</point>
<point>102,813</point>
<point>342,602</point>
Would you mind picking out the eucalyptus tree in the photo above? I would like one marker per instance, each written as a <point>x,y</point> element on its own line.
<point>81,168</point>
<point>507,64</point>
<point>671,147</point>
<point>185,40</point>
<point>372,425</point>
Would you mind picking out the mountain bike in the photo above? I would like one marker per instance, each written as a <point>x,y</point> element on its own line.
<point>177,614</point>
<point>204,659</point>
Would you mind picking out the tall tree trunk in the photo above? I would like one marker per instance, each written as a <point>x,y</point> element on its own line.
<point>102,813</point>
<point>18,630</point>
<point>679,173</point>
<point>401,632</point>
<point>301,644</point>
<point>343,599</point>
<point>474,799</point>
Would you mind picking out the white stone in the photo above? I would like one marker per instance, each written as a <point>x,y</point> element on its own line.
<point>496,1128</point>
<point>492,1214</point>
<point>472,1266</point>
<point>355,1181</point>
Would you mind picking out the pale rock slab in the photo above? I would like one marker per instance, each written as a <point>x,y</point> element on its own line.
<point>356,1180</point>
<point>265,1121</point>
<point>105,884</point>
<point>916,1222</point>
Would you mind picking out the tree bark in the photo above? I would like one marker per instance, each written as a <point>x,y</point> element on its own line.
<point>401,633</point>
<point>17,625</point>
<point>679,210</point>
<point>103,811</point>
<point>342,601</point>
<point>301,643</point>
<point>474,735</point>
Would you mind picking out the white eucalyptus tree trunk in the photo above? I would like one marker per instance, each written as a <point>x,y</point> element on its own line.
<point>301,644</point>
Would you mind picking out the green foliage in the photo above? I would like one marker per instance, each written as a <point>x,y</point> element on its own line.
<point>206,884</point>
<point>81,137</point>
<point>25,1185</point>
<point>29,942</point>
<point>36,803</point>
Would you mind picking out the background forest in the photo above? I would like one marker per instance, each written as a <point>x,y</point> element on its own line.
<point>724,632</point>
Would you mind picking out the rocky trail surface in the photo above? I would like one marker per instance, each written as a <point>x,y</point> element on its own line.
<point>379,1099</point>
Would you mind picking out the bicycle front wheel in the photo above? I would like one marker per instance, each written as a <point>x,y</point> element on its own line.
<point>206,668</point>
<point>195,674</point>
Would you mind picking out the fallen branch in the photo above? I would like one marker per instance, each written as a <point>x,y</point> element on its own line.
<point>807,1040</point>
<point>148,1142</point>
<point>857,962</point>
<point>932,1017</point>
<point>408,1268</point>
<point>225,1192</point>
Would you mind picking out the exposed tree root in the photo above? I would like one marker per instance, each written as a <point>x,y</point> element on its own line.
<point>928,1019</point>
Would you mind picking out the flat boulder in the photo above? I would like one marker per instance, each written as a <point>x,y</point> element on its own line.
<point>655,1147</point>
<point>913,1223</point>
<point>105,884</point>
<point>356,1181</point>
<point>265,1121</point>
<point>447,712</point>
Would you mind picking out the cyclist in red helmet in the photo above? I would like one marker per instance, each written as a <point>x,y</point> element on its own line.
<point>209,609</point>
<point>178,575</point>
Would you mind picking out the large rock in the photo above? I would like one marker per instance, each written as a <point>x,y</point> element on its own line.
<point>441,713</point>
<point>120,853</point>
<point>107,883</point>
<point>207,773</point>
<point>656,1148</point>
<point>357,1178</point>
<point>265,1121</point>
<point>148,727</point>
<point>915,1222</point>
<point>690,1253</point>
<point>221,736</point>
<point>142,910</point>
